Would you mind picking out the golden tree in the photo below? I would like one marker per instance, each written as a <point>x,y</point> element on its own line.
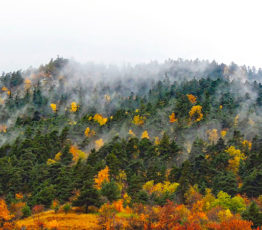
<point>102,176</point>
<point>196,113</point>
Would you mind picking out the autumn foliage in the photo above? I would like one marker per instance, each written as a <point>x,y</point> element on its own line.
<point>102,176</point>
<point>196,113</point>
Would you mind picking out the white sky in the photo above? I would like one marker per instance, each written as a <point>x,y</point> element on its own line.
<point>129,31</point>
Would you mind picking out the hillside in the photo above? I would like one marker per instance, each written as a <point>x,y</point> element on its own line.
<point>173,145</point>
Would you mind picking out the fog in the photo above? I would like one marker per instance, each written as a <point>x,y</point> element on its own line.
<point>120,32</point>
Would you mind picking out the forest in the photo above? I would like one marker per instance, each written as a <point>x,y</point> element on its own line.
<point>174,145</point>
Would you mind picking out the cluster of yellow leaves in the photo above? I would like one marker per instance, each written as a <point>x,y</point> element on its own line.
<point>100,119</point>
<point>56,159</point>
<point>27,83</point>
<point>247,144</point>
<point>130,132</point>
<point>102,176</point>
<point>160,188</point>
<point>196,111</point>
<point>223,133</point>
<point>172,118</point>
<point>138,120</point>
<point>89,132</point>
<point>3,128</point>
<point>58,156</point>
<point>212,135</point>
<point>74,107</point>
<point>126,198</point>
<point>191,98</point>
<point>99,143</point>
<point>224,215</point>
<point>53,107</point>
<point>77,153</point>
<point>145,135</point>
<point>236,155</point>
<point>50,161</point>
<point>221,107</point>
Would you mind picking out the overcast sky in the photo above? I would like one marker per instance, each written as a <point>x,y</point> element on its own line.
<point>129,31</point>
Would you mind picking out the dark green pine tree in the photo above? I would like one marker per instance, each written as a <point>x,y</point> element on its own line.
<point>110,191</point>
<point>253,214</point>
<point>89,196</point>
<point>66,157</point>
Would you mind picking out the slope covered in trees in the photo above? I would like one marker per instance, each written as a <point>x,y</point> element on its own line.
<point>155,146</point>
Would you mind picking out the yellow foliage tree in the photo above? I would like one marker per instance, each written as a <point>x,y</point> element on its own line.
<point>53,107</point>
<point>100,119</point>
<point>236,155</point>
<point>99,143</point>
<point>160,188</point>
<point>74,107</point>
<point>58,156</point>
<point>223,133</point>
<point>145,135</point>
<point>138,120</point>
<point>102,176</point>
<point>172,118</point>
<point>196,113</point>
<point>77,153</point>
<point>224,215</point>
<point>89,132</point>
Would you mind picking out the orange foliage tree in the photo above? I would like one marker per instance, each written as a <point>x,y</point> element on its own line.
<point>191,98</point>
<point>4,212</point>
<point>102,176</point>
<point>172,118</point>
